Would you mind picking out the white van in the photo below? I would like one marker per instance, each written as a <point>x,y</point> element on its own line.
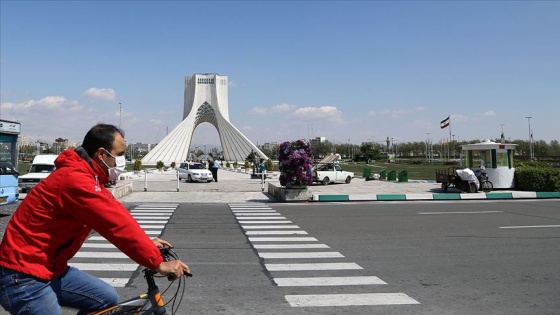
<point>42,166</point>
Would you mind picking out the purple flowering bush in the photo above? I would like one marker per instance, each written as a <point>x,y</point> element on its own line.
<point>295,161</point>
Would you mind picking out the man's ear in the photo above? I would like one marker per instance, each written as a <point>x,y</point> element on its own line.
<point>99,153</point>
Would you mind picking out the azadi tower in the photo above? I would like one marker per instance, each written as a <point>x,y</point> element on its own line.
<point>206,100</point>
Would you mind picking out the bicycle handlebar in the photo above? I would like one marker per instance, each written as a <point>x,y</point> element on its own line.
<point>168,254</point>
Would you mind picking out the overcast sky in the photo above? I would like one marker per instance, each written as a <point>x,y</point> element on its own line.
<point>348,71</point>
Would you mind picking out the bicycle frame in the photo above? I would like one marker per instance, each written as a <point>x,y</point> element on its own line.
<point>137,305</point>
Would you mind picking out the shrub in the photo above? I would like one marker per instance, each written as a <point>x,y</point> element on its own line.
<point>228,165</point>
<point>137,165</point>
<point>173,164</point>
<point>235,164</point>
<point>537,178</point>
<point>269,165</point>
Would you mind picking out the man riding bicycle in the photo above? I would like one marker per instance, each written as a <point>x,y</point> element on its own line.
<point>54,220</point>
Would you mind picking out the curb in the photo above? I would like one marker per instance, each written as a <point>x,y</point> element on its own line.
<point>441,196</point>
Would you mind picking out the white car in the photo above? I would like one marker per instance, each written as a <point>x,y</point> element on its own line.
<point>192,172</point>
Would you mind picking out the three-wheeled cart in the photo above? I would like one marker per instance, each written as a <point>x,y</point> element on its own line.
<point>450,178</point>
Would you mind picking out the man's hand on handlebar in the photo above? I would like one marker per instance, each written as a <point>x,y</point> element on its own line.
<point>173,269</point>
<point>160,243</point>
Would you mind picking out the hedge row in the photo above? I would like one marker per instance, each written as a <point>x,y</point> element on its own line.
<point>536,178</point>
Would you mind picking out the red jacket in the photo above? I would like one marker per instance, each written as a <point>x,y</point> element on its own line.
<point>58,214</point>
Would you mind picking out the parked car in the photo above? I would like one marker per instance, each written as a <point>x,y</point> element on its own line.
<point>42,167</point>
<point>192,172</point>
<point>326,173</point>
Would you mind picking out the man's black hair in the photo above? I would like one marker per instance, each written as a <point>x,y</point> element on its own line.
<point>100,135</point>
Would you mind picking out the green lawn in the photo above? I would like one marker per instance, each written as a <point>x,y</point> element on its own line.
<point>415,171</point>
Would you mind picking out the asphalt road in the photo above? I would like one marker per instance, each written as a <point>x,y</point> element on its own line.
<point>469,257</point>
<point>448,260</point>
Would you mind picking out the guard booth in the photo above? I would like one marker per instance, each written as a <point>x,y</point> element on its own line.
<point>495,158</point>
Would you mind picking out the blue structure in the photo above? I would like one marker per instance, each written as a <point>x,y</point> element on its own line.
<point>9,131</point>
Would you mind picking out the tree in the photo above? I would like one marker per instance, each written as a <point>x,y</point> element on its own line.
<point>137,165</point>
<point>160,165</point>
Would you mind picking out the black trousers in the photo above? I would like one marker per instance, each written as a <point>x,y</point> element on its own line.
<point>214,171</point>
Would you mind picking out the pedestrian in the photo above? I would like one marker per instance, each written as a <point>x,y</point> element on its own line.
<point>54,220</point>
<point>215,168</point>
<point>262,170</point>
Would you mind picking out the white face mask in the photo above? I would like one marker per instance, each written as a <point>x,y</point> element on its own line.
<point>114,172</point>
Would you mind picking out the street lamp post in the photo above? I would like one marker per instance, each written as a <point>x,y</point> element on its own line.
<point>530,139</point>
<point>502,137</point>
<point>453,144</point>
<point>120,112</point>
<point>428,147</point>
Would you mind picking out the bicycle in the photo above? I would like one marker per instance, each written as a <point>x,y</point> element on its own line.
<point>150,302</point>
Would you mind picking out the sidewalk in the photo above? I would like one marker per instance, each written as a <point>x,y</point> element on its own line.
<point>235,187</point>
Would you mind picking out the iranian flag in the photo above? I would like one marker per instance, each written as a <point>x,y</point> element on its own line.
<point>444,123</point>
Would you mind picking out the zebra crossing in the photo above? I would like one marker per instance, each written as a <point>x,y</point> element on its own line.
<point>101,258</point>
<point>278,239</point>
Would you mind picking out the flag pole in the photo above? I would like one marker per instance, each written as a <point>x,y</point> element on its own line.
<point>448,147</point>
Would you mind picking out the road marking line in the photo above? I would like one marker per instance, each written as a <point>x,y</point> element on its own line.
<point>301,255</point>
<point>153,232</point>
<point>136,212</point>
<point>141,217</point>
<point>81,254</point>
<point>248,227</point>
<point>460,212</point>
<point>98,245</point>
<point>101,238</point>
<point>151,221</point>
<point>349,299</point>
<point>152,226</point>
<point>263,218</point>
<point>312,266</point>
<point>264,222</point>
<point>327,281</point>
<point>253,211</point>
<point>282,239</point>
<point>291,246</point>
<point>275,232</point>
<point>105,267</point>
<point>116,282</point>
<point>156,208</point>
<point>529,226</point>
<point>97,238</point>
<point>255,214</point>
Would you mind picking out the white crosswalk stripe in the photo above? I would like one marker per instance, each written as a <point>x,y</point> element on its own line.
<point>350,299</point>
<point>327,281</point>
<point>289,246</point>
<point>249,227</point>
<point>301,255</point>
<point>268,223</point>
<point>151,217</point>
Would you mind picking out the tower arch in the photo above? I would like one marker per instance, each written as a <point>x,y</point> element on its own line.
<point>206,100</point>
